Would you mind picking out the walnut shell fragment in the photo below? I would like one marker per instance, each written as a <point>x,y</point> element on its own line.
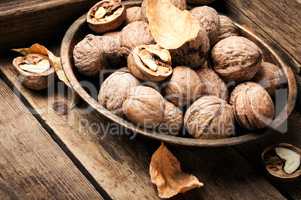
<point>282,161</point>
<point>214,85</point>
<point>150,63</point>
<point>270,77</point>
<point>34,71</point>
<point>227,28</point>
<point>135,34</point>
<point>173,119</point>
<point>133,14</point>
<point>144,106</point>
<point>210,118</point>
<point>166,173</point>
<point>106,15</point>
<point>183,87</point>
<point>115,89</point>
<point>236,59</point>
<point>208,19</point>
<point>253,106</point>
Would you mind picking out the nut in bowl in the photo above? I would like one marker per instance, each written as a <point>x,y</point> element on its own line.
<point>172,97</point>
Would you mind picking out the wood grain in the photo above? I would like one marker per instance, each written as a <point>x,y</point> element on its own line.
<point>32,166</point>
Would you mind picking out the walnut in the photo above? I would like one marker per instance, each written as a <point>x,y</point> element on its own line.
<point>192,53</point>
<point>94,53</point>
<point>183,87</point>
<point>208,19</point>
<point>34,71</point>
<point>200,2</point>
<point>144,106</point>
<point>210,118</point>
<point>270,77</point>
<point>181,4</point>
<point>150,63</point>
<point>227,28</point>
<point>214,85</point>
<point>236,59</point>
<point>135,34</point>
<point>173,119</point>
<point>133,14</point>
<point>106,15</point>
<point>253,106</point>
<point>114,90</point>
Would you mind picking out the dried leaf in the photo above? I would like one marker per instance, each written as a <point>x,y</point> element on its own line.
<point>170,26</point>
<point>35,48</point>
<point>166,174</point>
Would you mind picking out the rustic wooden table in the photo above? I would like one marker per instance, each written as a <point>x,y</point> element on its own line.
<point>52,150</point>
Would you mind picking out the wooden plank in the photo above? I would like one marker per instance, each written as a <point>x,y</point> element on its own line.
<point>32,165</point>
<point>119,164</point>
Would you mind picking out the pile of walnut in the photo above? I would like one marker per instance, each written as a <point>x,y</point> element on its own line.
<point>210,85</point>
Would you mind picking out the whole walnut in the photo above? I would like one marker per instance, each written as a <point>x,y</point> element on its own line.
<point>214,85</point>
<point>192,53</point>
<point>181,4</point>
<point>227,28</point>
<point>270,77</point>
<point>184,86</point>
<point>173,119</point>
<point>210,118</point>
<point>208,19</point>
<point>236,59</point>
<point>253,106</point>
<point>200,2</point>
<point>115,89</point>
<point>94,53</point>
<point>144,106</point>
<point>135,34</point>
<point>133,14</point>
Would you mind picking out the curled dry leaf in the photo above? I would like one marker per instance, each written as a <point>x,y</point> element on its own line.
<point>168,32</point>
<point>166,174</point>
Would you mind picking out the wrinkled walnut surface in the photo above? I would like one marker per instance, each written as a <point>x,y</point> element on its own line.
<point>210,118</point>
<point>115,89</point>
<point>236,58</point>
<point>253,106</point>
<point>133,14</point>
<point>144,107</point>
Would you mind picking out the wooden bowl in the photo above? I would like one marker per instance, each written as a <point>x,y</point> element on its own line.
<point>79,29</point>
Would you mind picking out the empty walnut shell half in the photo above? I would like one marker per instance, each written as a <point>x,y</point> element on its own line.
<point>115,89</point>
<point>236,59</point>
<point>144,106</point>
<point>253,106</point>
<point>270,77</point>
<point>210,118</point>
<point>106,15</point>
<point>282,161</point>
<point>150,63</point>
<point>34,71</point>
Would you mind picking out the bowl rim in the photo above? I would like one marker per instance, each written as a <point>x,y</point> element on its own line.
<point>191,142</point>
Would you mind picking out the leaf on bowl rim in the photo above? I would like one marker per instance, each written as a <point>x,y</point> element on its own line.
<point>166,174</point>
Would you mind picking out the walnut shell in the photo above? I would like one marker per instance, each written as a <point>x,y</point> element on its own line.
<point>210,118</point>
<point>208,19</point>
<point>181,4</point>
<point>236,59</point>
<point>183,87</point>
<point>173,119</point>
<point>214,85</point>
<point>133,14</point>
<point>106,15</point>
<point>253,106</point>
<point>135,34</point>
<point>270,77</point>
<point>144,107</point>
<point>192,53</point>
<point>226,29</point>
<point>114,90</point>
<point>33,81</point>
<point>150,63</point>
<point>200,2</point>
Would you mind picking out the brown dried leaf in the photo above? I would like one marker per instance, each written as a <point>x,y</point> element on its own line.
<point>35,48</point>
<point>170,26</point>
<point>166,174</point>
